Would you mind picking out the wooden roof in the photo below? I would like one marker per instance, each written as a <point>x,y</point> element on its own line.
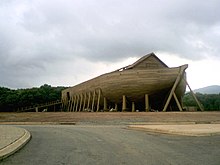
<point>142,59</point>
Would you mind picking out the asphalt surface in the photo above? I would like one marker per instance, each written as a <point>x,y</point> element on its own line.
<point>12,139</point>
<point>78,144</point>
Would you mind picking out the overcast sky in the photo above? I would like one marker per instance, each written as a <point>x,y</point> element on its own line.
<point>65,42</point>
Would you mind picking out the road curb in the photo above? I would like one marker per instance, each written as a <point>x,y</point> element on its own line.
<point>38,123</point>
<point>15,146</point>
<point>172,132</point>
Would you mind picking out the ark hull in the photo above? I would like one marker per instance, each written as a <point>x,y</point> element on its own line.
<point>132,83</point>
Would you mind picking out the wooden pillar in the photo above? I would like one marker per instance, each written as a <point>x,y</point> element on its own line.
<point>105,104</point>
<point>181,70</point>
<point>194,96</point>
<point>116,107</point>
<point>181,101</point>
<point>62,105</point>
<point>84,102</point>
<point>88,104</point>
<point>93,101</point>
<point>124,103</point>
<point>81,99</point>
<point>68,104</point>
<point>36,109</point>
<point>74,105</point>
<point>147,107</point>
<point>177,102</point>
<point>71,104</point>
<point>77,103</point>
<point>133,107</point>
<point>98,100</point>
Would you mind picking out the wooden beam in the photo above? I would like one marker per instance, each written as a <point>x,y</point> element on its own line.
<point>105,104</point>
<point>98,100</point>
<point>124,107</point>
<point>71,104</point>
<point>62,105</point>
<point>74,105</point>
<point>77,103</point>
<point>177,102</point>
<point>88,104</point>
<point>116,107</point>
<point>81,99</point>
<point>133,106</point>
<point>194,96</point>
<point>84,102</point>
<point>93,101</point>
<point>68,107</point>
<point>182,69</point>
<point>147,107</point>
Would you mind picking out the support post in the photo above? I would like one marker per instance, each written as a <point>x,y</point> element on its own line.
<point>68,104</point>
<point>98,101</point>
<point>81,99</point>
<point>147,107</point>
<point>71,104</point>
<point>62,105</point>
<point>116,107</point>
<point>88,104</point>
<point>36,109</point>
<point>74,105</point>
<point>93,101</point>
<point>133,107</point>
<point>177,102</point>
<point>77,103</point>
<point>182,69</point>
<point>194,96</point>
<point>105,104</point>
<point>124,103</point>
<point>84,102</point>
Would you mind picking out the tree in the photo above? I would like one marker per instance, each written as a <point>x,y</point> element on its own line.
<point>209,101</point>
<point>11,100</point>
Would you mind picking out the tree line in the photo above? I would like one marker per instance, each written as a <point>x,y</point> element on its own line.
<point>210,102</point>
<point>11,100</point>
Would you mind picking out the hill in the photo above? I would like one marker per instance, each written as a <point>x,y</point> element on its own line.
<point>213,89</point>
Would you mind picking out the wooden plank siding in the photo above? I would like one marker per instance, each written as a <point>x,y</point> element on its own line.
<point>149,75</point>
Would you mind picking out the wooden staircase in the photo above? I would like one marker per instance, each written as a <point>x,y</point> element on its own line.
<point>53,106</point>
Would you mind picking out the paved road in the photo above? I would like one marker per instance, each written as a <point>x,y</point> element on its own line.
<point>58,145</point>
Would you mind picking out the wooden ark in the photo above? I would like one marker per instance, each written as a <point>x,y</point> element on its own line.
<point>146,85</point>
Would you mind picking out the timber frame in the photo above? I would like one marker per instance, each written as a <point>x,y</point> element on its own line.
<point>146,85</point>
<point>179,78</point>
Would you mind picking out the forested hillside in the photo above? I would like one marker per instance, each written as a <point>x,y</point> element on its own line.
<point>210,102</point>
<point>11,100</point>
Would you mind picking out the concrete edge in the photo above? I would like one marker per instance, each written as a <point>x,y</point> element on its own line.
<point>162,123</point>
<point>170,132</point>
<point>174,123</point>
<point>15,146</point>
<point>37,123</point>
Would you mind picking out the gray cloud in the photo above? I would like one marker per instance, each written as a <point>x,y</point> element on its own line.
<point>35,33</point>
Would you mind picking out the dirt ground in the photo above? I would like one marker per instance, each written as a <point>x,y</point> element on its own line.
<point>113,118</point>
